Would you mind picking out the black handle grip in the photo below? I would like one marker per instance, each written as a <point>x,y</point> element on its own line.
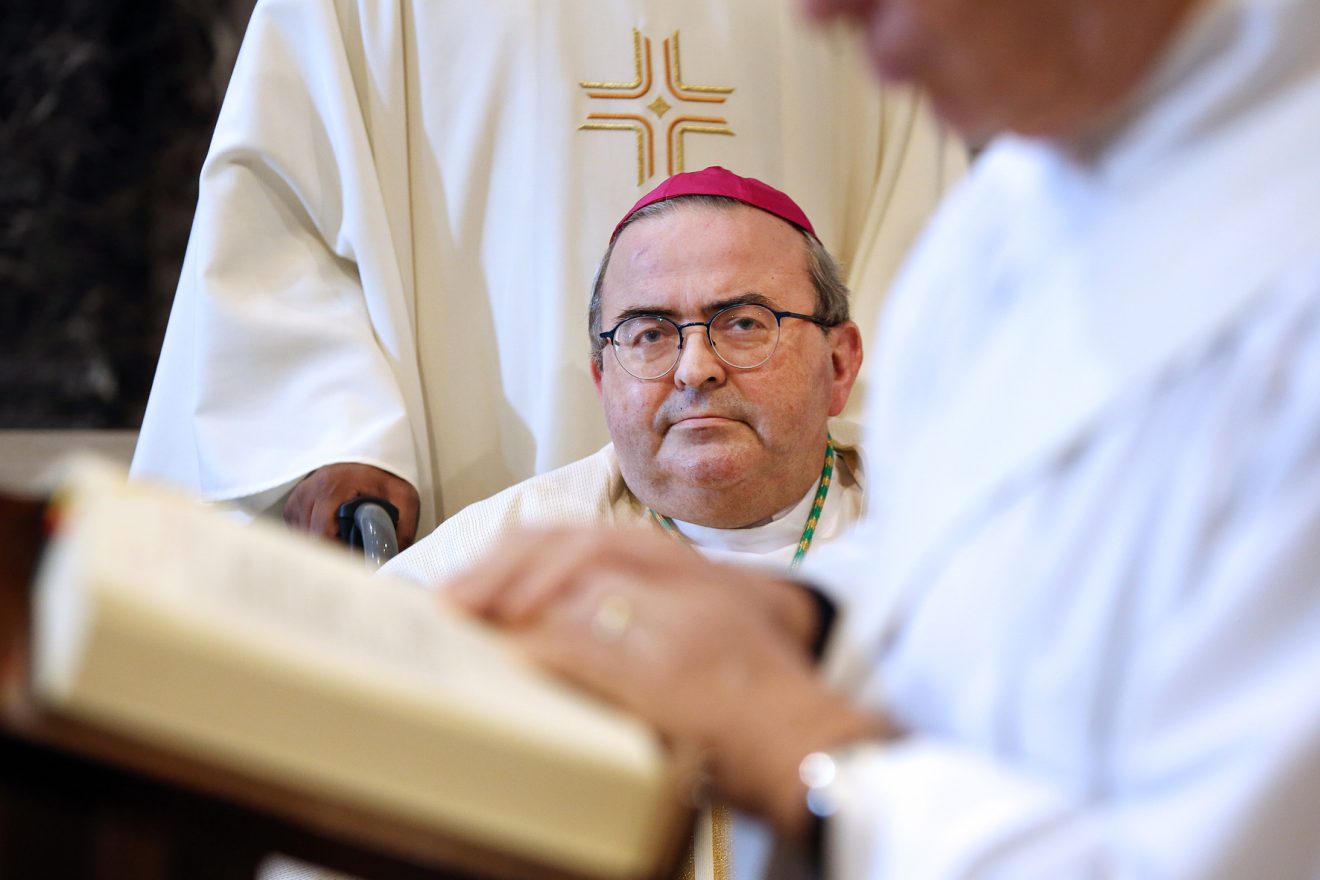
<point>348,529</point>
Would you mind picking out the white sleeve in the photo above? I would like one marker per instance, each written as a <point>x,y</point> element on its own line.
<point>1205,791</point>
<point>291,345</point>
<point>1212,764</point>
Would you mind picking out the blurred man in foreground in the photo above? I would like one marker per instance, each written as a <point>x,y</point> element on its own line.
<point>1080,628</point>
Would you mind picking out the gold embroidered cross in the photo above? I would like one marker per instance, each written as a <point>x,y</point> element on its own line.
<point>643,85</point>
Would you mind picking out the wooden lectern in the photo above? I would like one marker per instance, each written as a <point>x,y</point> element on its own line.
<point>77,802</point>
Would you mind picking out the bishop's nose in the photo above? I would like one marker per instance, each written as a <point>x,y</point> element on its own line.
<point>698,365</point>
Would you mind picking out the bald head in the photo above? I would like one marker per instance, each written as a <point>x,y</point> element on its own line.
<point>1052,68</point>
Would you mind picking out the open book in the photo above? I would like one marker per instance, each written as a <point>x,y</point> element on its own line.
<point>267,653</point>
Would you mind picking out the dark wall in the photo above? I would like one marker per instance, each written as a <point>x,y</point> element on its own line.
<point>106,109</point>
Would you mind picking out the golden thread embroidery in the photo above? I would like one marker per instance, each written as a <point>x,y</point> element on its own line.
<point>682,126</point>
<point>714,94</point>
<point>721,845</point>
<point>642,85</point>
<point>645,138</point>
<point>638,78</point>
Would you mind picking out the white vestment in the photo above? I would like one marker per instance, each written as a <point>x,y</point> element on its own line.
<point>404,204</point>
<point>592,490</point>
<point>1089,578</point>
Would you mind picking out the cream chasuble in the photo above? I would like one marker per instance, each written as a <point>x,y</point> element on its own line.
<point>592,491</point>
<point>404,204</point>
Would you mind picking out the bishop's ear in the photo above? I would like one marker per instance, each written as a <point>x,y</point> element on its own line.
<point>846,358</point>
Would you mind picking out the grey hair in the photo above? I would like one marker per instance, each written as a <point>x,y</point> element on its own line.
<point>831,292</point>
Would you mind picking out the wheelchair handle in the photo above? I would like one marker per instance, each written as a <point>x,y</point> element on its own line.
<point>370,523</point>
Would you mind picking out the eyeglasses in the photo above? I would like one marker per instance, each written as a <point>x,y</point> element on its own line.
<point>743,336</point>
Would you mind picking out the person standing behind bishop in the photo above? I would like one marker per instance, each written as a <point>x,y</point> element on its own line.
<point>401,208</point>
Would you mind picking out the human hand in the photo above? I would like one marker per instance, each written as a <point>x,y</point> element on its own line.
<point>715,657</point>
<point>513,588</point>
<point>313,504</point>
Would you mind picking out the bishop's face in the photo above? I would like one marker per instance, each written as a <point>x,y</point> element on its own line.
<point>706,442</point>
<point>1051,68</point>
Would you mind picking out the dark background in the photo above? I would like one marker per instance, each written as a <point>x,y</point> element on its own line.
<point>106,110</point>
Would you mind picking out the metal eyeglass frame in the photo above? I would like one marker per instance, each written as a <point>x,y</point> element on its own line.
<point>780,315</point>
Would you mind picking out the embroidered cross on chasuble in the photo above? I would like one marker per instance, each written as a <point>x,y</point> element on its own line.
<point>639,105</point>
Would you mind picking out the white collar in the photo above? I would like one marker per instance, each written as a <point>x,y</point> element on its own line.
<point>783,530</point>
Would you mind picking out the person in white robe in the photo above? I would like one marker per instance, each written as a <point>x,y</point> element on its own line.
<point>593,490</point>
<point>742,462</point>
<point>400,211</point>
<point>1080,627</point>
<point>749,524</point>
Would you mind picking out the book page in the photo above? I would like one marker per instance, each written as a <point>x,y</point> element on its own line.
<point>283,656</point>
